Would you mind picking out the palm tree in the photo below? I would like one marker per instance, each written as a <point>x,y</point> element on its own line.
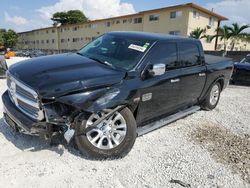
<point>224,35</point>
<point>198,33</point>
<point>236,33</point>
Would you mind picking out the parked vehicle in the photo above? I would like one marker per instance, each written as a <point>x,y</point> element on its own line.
<point>37,53</point>
<point>112,89</point>
<point>241,73</point>
<point>3,67</point>
<point>7,52</point>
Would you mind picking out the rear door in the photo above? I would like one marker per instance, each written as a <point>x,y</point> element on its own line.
<point>160,94</point>
<point>193,72</point>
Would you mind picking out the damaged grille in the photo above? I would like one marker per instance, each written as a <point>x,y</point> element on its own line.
<point>25,98</point>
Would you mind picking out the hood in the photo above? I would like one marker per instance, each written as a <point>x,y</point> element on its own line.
<point>245,66</point>
<point>57,75</point>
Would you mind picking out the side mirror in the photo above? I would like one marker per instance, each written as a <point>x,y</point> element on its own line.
<point>157,70</point>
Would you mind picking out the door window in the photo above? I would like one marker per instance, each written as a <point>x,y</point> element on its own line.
<point>164,53</point>
<point>189,54</point>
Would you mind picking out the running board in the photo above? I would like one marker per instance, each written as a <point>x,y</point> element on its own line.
<point>158,124</point>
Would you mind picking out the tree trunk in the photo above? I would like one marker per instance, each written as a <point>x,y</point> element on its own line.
<point>232,47</point>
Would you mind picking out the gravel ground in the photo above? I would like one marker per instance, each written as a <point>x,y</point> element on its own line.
<point>206,149</point>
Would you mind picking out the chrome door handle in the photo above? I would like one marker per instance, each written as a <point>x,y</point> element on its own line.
<point>175,80</point>
<point>202,74</point>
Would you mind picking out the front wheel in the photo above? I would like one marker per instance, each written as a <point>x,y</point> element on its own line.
<point>212,98</point>
<point>112,138</point>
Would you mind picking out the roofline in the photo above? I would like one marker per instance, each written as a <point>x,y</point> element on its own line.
<point>192,5</point>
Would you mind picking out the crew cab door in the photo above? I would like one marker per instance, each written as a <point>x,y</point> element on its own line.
<point>193,72</point>
<point>160,94</point>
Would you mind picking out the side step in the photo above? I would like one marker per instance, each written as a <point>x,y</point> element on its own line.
<point>158,124</point>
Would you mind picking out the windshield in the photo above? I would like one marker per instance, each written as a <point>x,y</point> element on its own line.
<point>246,60</point>
<point>117,51</point>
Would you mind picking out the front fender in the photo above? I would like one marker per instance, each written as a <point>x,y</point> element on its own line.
<point>98,100</point>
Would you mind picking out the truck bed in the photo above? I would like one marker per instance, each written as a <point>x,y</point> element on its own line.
<point>211,59</point>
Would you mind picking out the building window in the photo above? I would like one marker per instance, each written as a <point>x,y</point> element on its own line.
<point>130,20</point>
<point>137,20</point>
<point>53,31</point>
<point>108,24</point>
<point>124,21</point>
<point>154,17</point>
<point>175,14</point>
<point>47,31</point>
<point>42,41</point>
<point>94,26</point>
<point>175,33</point>
<point>196,14</point>
<point>63,29</point>
<point>211,21</point>
<point>53,40</point>
<point>62,40</point>
<point>117,21</point>
<point>75,39</point>
<point>68,39</point>
<point>47,41</point>
<point>74,28</point>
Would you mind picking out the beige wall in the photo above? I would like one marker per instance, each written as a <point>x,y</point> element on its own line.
<point>73,37</point>
<point>240,45</point>
<point>202,21</point>
<point>165,24</point>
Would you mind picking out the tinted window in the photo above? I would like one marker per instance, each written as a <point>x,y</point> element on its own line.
<point>247,60</point>
<point>164,53</point>
<point>189,54</point>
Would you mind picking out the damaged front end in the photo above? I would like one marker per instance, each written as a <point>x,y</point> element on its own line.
<point>65,112</point>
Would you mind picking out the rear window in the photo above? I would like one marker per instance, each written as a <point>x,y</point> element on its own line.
<point>189,54</point>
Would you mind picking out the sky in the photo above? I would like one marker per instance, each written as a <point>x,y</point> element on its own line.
<point>24,15</point>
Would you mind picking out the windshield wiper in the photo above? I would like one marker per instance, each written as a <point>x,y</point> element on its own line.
<point>102,62</point>
<point>79,53</point>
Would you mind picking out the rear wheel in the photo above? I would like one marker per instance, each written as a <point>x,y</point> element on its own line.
<point>112,138</point>
<point>212,98</point>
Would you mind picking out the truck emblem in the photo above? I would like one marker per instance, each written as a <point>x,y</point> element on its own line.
<point>146,97</point>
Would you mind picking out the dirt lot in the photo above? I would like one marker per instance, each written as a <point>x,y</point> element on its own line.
<point>206,149</point>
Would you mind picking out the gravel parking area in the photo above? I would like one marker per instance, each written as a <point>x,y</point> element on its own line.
<point>206,149</point>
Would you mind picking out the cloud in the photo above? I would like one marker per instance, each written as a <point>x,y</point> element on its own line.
<point>92,9</point>
<point>17,20</point>
<point>235,10</point>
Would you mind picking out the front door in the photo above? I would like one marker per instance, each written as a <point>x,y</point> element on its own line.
<point>160,94</point>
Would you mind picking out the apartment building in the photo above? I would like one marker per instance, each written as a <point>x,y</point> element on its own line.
<point>174,20</point>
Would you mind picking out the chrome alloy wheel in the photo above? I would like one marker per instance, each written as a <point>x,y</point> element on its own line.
<point>109,133</point>
<point>214,94</point>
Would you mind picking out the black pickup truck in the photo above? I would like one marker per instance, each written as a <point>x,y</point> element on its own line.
<point>113,90</point>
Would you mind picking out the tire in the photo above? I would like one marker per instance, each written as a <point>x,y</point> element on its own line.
<point>94,151</point>
<point>208,103</point>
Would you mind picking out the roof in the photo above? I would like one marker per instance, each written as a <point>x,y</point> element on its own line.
<point>192,5</point>
<point>150,36</point>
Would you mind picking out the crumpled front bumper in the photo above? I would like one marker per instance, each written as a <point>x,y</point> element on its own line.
<point>19,121</point>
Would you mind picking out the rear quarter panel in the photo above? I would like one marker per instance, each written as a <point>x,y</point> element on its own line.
<point>220,69</point>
